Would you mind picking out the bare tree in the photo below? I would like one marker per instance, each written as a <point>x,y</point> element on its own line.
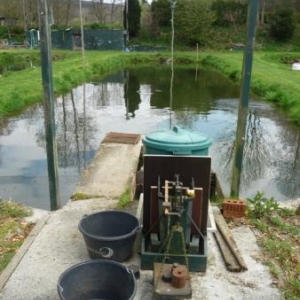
<point>261,17</point>
<point>98,6</point>
<point>12,11</point>
<point>115,7</point>
<point>61,11</point>
<point>68,10</point>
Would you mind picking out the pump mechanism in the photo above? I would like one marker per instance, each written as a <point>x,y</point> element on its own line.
<point>175,209</point>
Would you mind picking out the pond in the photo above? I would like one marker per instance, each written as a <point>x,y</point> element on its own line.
<point>140,100</point>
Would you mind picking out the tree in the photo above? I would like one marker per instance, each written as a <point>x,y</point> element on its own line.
<point>132,17</point>
<point>115,8</point>
<point>13,12</point>
<point>98,8</point>
<point>282,25</point>
<point>229,13</point>
<point>161,12</point>
<point>61,12</point>
<point>193,19</point>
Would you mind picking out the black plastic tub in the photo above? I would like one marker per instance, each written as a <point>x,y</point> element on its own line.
<point>109,234</point>
<point>97,280</point>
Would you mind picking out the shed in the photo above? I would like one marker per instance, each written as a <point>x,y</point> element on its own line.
<point>94,39</point>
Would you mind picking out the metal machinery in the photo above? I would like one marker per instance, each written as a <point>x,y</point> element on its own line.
<point>175,215</point>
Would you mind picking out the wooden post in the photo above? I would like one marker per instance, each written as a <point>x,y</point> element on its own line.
<point>244,99</point>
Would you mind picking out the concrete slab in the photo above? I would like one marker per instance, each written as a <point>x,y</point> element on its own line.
<point>111,170</point>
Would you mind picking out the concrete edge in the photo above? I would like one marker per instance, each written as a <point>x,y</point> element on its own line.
<point>10,268</point>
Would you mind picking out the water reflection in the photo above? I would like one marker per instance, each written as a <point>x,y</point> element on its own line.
<point>138,101</point>
<point>266,162</point>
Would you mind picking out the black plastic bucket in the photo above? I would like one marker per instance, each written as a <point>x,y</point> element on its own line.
<point>97,280</point>
<point>109,234</point>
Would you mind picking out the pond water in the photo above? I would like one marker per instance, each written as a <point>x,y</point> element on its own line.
<point>139,101</point>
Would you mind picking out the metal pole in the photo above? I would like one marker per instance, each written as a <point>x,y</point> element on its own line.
<point>47,79</point>
<point>244,98</point>
<point>173,4</point>
<point>82,35</point>
<point>127,23</point>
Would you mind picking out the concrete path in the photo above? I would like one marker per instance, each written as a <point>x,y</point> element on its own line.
<point>56,243</point>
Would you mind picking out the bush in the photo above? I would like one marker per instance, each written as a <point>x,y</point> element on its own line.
<point>282,25</point>
<point>260,206</point>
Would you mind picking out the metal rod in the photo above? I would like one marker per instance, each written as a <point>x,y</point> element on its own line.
<point>82,35</point>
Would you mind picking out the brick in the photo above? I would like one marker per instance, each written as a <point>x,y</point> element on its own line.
<point>234,208</point>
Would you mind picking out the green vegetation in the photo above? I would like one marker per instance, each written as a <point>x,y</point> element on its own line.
<point>272,78</point>
<point>283,24</point>
<point>124,199</point>
<point>279,236</point>
<point>132,17</point>
<point>13,230</point>
<point>259,206</point>
<point>81,196</point>
<point>13,210</point>
<point>193,22</point>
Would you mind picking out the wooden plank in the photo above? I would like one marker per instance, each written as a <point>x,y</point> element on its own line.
<point>228,246</point>
<point>229,259</point>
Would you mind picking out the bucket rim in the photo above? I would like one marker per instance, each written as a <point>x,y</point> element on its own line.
<point>96,261</point>
<point>108,238</point>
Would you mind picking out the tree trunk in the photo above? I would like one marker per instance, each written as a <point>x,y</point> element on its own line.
<point>262,14</point>
<point>68,13</point>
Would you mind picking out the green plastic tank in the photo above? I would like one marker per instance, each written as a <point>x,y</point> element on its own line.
<point>177,141</point>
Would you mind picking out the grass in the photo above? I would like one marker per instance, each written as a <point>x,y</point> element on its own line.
<point>272,78</point>
<point>82,196</point>
<point>22,88</point>
<point>278,234</point>
<point>124,199</point>
<point>13,230</point>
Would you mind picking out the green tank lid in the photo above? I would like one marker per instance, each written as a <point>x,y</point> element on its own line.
<point>177,141</point>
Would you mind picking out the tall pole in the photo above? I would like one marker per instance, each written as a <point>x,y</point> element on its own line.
<point>244,98</point>
<point>127,23</point>
<point>173,4</point>
<point>47,79</point>
<point>82,34</point>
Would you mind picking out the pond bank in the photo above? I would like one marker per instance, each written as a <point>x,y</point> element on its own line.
<point>269,69</point>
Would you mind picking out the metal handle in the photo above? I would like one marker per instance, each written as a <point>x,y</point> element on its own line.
<point>61,289</point>
<point>106,252</point>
